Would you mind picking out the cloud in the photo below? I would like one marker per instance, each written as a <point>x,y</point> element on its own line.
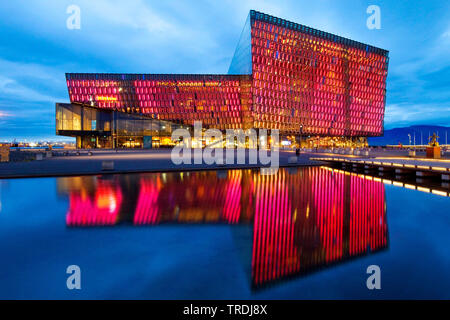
<point>406,114</point>
<point>446,34</point>
<point>132,14</point>
<point>4,114</point>
<point>11,89</point>
<point>28,92</point>
<point>26,70</point>
<point>426,58</point>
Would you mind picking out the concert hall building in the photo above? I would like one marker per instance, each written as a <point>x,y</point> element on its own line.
<point>316,88</point>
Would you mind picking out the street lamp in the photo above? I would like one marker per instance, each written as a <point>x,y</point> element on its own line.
<point>300,142</point>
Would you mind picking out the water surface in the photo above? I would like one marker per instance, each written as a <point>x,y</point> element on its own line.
<point>232,234</point>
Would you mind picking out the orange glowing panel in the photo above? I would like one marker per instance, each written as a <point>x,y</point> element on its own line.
<point>105,98</point>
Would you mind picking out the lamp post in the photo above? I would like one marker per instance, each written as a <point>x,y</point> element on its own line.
<point>301,134</point>
<point>297,152</point>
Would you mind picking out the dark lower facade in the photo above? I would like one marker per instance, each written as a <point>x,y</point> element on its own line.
<point>95,128</point>
<point>109,129</point>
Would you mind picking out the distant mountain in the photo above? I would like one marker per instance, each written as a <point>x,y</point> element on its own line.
<point>421,132</point>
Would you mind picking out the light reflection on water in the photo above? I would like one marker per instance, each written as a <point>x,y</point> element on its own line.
<point>222,235</point>
<point>302,219</point>
<point>1,196</point>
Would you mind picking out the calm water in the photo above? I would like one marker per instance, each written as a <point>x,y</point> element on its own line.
<point>303,233</point>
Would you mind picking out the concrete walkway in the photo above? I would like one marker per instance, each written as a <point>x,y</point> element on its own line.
<point>125,161</point>
<point>404,161</point>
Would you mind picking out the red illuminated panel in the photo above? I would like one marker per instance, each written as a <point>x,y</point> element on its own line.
<point>215,103</point>
<point>218,101</point>
<point>105,94</point>
<point>101,209</point>
<point>367,231</point>
<point>302,79</point>
<point>147,209</point>
<point>274,253</point>
<point>232,202</point>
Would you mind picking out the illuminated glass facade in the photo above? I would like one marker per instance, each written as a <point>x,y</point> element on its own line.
<point>283,75</point>
<point>103,128</point>
<point>315,82</point>
<point>221,101</point>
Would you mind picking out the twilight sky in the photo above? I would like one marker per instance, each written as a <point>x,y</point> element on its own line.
<point>199,36</point>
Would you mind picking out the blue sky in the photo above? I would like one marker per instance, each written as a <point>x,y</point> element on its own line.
<point>199,36</point>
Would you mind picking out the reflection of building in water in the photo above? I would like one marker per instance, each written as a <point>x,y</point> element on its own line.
<point>302,220</point>
<point>0,196</point>
<point>315,219</point>
<point>196,197</point>
<point>102,209</point>
<point>185,197</point>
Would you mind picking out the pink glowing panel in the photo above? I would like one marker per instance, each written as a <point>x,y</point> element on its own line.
<point>101,209</point>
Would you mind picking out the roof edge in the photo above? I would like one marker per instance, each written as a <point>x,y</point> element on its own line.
<point>317,33</point>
